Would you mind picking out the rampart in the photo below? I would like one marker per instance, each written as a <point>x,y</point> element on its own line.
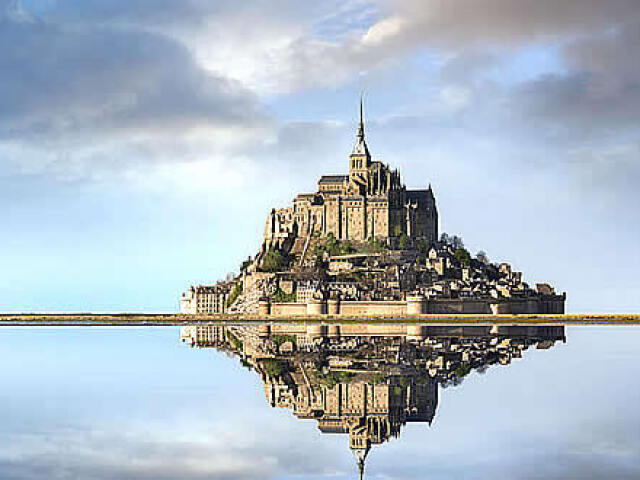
<point>417,305</point>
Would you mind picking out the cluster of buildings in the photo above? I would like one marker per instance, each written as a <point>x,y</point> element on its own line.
<point>366,381</point>
<point>360,240</point>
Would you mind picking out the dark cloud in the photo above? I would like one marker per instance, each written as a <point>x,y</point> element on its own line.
<point>505,22</point>
<point>66,81</point>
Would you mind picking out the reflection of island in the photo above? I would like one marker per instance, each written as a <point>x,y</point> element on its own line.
<point>367,380</point>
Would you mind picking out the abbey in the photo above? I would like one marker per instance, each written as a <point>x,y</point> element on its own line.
<point>370,202</point>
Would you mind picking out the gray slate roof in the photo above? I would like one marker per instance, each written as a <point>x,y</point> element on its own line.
<point>333,178</point>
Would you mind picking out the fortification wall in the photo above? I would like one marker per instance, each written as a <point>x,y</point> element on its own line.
<point>458,305</point>
<point>288,309</point>
<point>413,306</point>
<point>372,308</point>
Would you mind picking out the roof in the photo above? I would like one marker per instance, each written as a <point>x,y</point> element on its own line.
<point>305,196</point>
<point>360,147</point>
<point>333,178</point>
<point>419,194</point>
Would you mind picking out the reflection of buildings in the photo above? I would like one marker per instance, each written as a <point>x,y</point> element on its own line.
<point>367,381</point>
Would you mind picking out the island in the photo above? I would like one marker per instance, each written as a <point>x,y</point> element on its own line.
<point>364,244</point>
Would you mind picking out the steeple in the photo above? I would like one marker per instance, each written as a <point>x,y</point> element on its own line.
<point>361,124</point>
<point>360,148</point>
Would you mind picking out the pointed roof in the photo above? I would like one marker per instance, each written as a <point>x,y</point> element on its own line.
<point>360,148</point>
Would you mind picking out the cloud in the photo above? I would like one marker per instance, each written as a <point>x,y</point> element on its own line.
<point>101,96</point>
<point>106,454</point>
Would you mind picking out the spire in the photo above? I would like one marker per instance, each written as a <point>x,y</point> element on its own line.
<point>360,148</point>
<point>361,124</point>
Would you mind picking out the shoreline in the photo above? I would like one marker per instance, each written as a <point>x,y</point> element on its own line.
<point>167,320</point>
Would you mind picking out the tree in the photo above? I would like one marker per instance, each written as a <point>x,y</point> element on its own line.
<point>273,261</point>
<point>423,246</point>
<point>281,297</point>
<point>481,256</point>
<point>245,264</point>
<point>274,367</point>
<point>234,294</point>
<point>456,242</point>
<point>403,241</point>
<point>346,248</point>
<point>463,256</point>
<point>376,244</point>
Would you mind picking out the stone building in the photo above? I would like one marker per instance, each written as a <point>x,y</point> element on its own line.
<point>204,299</point>
<point>369,202</point>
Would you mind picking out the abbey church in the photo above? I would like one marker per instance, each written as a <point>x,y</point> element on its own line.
<point>370,202</point>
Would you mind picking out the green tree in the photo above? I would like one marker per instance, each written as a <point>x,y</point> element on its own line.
<point>403,241</point>
<point>481,256</point>
<point>274,367</point>
<point>423,246</point>
<point>376,245</point>
<point>281,297</point>
<point>463,370</point>
<point>456,242</point>
<point>234,294</point>
<point>463,256</point>
<point>346,248</point>
<point>245,264</point>
<point>273,261</point>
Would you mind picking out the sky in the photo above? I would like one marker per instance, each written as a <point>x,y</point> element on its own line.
<point>142,144</point>
<point>99,404</point>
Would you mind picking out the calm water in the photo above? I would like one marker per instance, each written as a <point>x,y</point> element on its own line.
<point>220,403</point>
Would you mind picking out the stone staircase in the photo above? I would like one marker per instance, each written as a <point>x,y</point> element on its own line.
<point>298,249</point>
<point>307,258</point>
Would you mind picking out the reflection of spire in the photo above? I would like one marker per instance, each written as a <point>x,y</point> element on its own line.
<point>361,456</point>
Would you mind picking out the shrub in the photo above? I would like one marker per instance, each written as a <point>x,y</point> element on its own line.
<point>333,247</point>
<point>234,294</point>
<point>463,370</point>
<point>403,241</point>
<point>273,261</point>
<point>280,339</point>
<point>244,265</point>
<point>234,341</point>
<point>274,367</point>
<point>282,297</point>
<point>376,244</point>
<point>463,256</point>
<point>334,377</point>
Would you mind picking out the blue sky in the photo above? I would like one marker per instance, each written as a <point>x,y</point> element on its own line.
<point>142,144</point>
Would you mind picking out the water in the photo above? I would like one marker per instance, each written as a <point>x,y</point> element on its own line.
<point>129,403</point>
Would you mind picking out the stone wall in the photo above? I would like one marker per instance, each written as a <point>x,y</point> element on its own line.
<point>288,309</point>
<point>420,306</point>
<point>372,308</point>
